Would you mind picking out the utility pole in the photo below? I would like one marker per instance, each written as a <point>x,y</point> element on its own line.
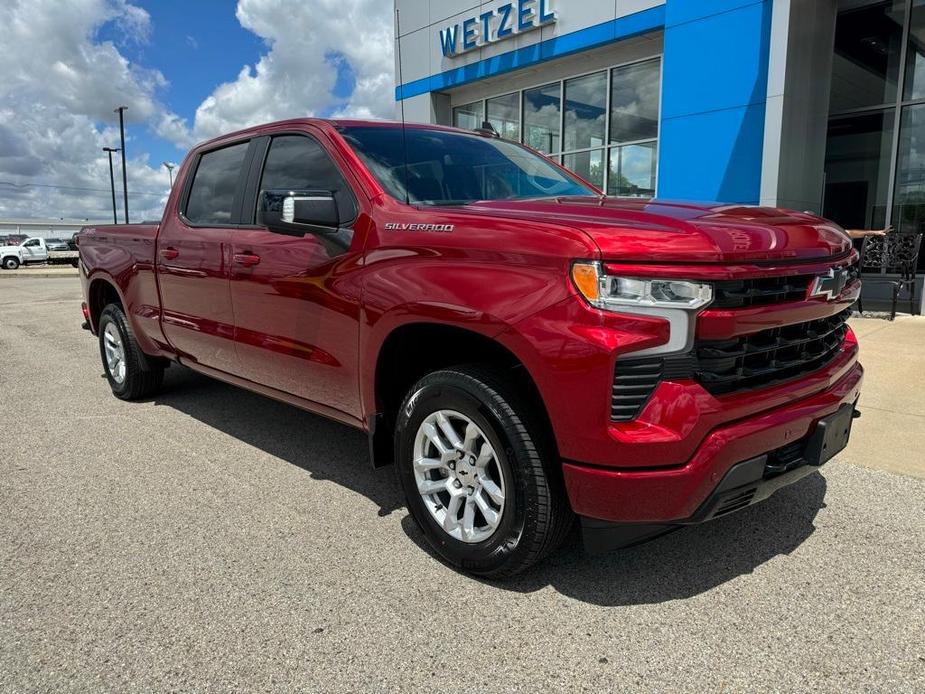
<point>112,182</point>
<point>170,167</point>
<point>121,110</point>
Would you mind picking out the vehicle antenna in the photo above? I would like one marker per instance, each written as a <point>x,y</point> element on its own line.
<point>401,105</point>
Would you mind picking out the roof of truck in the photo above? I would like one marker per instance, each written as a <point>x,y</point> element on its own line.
<point>329,122</point>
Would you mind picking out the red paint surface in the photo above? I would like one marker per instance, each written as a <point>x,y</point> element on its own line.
<point>293,318</point>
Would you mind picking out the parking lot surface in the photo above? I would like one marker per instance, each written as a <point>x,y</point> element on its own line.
<point>212,540</point>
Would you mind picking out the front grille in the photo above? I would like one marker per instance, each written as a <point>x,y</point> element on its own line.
<point>770,356</point>
<point>760,291</point>
<point>744,363</point>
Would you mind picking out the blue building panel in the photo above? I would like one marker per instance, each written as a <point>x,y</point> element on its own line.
<point>720,61</point>
<point>713,156</point>
<point>681,11</point>
<point>714,89</point>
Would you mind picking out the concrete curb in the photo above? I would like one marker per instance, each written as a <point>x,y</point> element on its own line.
<point>36,274</point>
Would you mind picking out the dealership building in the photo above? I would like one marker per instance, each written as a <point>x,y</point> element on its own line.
<point>807,104</point>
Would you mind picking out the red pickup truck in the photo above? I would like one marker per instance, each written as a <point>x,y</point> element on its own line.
<point>522,348</point>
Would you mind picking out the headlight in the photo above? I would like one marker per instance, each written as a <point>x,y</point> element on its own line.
<point>617,293</point>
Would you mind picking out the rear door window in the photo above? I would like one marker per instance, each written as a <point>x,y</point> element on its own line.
<point>211,196</point>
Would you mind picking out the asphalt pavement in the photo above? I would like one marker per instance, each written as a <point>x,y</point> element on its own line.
<point>213,540</point>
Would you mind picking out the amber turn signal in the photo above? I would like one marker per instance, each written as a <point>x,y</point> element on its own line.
<point>587,281</point>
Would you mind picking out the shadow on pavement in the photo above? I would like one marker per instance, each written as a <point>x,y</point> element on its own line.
<point>325,449</point>
<point>680,565</point>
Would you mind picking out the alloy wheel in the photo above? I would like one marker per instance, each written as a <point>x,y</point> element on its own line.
<point>458,474</point>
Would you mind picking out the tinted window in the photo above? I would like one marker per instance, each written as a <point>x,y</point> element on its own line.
<point>212,193</point>
<point>868,48</point>
<point>295,162</point>
<point>450,168</point>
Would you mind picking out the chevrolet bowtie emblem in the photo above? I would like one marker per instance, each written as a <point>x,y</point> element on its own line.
<point>830,285</point>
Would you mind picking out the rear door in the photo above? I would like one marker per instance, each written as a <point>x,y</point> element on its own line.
<point>193,256</point>
<point>296,311</point>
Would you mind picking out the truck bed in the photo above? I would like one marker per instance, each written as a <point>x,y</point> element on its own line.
<point>125,242</point>
<point>122,255</point>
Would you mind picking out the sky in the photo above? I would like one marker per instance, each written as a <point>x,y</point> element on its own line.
<point>187,70</point>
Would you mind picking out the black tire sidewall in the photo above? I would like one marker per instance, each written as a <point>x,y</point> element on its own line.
<point>443,392</point>
<point>114,314</point>
<point>14,263</point>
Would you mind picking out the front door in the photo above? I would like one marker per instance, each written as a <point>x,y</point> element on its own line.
<point>193,256</point>
<point>296,313</point>
<point>34,252</point>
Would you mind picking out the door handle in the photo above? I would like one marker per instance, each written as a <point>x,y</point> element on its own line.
<point>169,253</point>
<point>246,259</point>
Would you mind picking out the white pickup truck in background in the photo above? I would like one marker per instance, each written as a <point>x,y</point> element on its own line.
<point>33,251</point>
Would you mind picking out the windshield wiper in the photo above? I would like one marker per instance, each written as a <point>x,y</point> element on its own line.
<point>445,203</point>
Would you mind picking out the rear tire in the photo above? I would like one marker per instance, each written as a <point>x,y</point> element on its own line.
<point>522,510</point>
<point>11,262</point>
<point>130,372</point>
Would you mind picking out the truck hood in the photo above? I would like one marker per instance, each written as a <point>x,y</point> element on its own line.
<point>660,230</point>
<point>9,249</point>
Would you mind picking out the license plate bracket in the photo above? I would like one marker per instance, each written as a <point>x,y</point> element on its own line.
<point>830,437</point>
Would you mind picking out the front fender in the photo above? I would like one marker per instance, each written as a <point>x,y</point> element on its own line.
<point>478,294</point>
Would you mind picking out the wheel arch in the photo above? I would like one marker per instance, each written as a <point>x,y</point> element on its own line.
<point>100,293</point>
<point>4,256</point>
<point>415,348</point>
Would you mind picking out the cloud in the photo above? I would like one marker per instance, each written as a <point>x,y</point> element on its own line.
<point>297,75</point>
<point>59,85</point>
<point>60,82</point>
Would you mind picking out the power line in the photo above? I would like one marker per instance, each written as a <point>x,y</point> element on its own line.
<point>89,190</point>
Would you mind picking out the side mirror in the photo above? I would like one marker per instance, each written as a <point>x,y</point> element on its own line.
<point>298,212</point>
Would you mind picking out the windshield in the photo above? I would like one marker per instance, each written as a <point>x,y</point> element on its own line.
<point>452,168</point>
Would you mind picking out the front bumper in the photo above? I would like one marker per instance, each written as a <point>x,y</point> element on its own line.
<point>677,495</point>
<point>745,484</point>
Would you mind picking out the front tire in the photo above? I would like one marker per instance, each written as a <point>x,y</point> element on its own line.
<point>131,373</point>
<point>11,262</point>
<point>478,472</point>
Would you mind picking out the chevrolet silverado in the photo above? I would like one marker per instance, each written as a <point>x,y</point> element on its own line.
<point>522,348</point>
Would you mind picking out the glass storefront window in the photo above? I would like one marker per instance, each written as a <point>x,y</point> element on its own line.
<point>468,116</point>
<point>504,115</point>
<point>541,117</point>
<point>634,99</point>
<point>588,165</point>
<point>914,87</point>
<point>909,199</point>
<point>585,111</point>
<point>868,48</point>
<point>632,170</point>
<point>568,120</point>
<point>857,169</point>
